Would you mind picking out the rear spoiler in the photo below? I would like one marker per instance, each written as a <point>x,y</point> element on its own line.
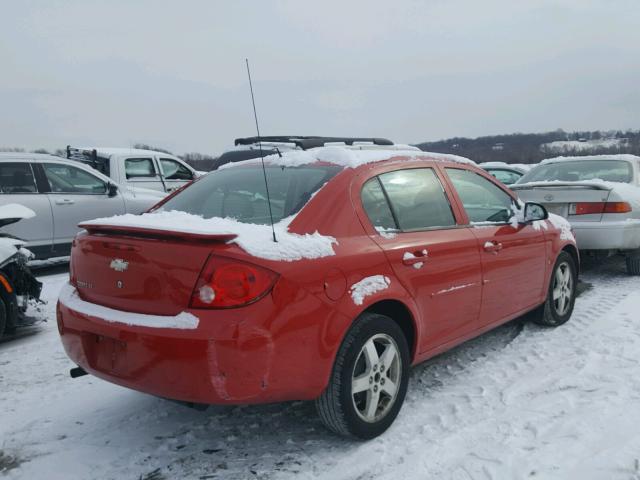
<point>559,184</point>
<point>156,233</point>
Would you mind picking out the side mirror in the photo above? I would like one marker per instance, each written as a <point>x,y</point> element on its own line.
<point>534,212</point>
<point>112,189</point>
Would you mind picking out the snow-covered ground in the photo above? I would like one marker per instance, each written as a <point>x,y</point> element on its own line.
<point>519,402</point>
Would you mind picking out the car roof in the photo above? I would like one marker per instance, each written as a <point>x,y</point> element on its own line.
<point>350,157</point>
<point>27,156</point>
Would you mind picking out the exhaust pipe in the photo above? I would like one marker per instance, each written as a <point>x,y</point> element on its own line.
<point>77,372</point>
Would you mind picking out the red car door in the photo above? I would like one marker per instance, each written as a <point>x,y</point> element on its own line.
<point>513,255</point>
<point>437,262</point>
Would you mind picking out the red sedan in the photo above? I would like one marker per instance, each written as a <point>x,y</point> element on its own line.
<point>382,260</point>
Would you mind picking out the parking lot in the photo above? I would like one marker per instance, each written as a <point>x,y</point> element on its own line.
<point>519,402</point>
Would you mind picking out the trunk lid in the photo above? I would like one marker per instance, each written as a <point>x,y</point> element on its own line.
<point>141,270</point>
<point>558,196</point>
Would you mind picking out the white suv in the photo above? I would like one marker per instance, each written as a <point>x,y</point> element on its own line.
<point>62,193</point>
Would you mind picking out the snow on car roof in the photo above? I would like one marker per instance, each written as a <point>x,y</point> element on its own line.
<point>622,156</point>
<point>28,156</point>
<point>348,157</point>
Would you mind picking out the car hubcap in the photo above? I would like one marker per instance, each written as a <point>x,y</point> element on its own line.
<point>376,378</point>
<point>562,288</point>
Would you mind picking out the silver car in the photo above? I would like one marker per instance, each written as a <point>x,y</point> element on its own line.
<point>599,195</point>
<point>62,193</point>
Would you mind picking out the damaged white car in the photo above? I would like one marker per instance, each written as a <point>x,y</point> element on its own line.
<point>599,195</point>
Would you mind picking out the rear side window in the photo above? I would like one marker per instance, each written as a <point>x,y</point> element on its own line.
<point>240,193</point>
<point>482,200</point>
<point>417,199</point>
<point>139,167</point>
<point>174,170</point>
<point>17,177</point>
<point>375,204</point>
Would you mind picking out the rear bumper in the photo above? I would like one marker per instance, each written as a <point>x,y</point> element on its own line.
<point>619,235</point>
<point>235,360</point>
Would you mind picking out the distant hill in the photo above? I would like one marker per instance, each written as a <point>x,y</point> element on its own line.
<point>534,147</point>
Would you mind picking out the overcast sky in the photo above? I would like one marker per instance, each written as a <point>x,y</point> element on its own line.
<point>172,74</point>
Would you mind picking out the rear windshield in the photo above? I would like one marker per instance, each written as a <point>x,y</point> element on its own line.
<point>580,170</point>
<point>240,192</point>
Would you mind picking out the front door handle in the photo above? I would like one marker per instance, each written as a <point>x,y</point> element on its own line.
<point>492,247</point>
<point>411,258</point>
<point>64,201</point>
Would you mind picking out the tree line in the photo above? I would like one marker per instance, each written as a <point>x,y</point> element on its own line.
<point>533,147</point>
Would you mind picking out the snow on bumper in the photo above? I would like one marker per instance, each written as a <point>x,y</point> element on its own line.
<point>70,298</point>
<point>620,235</point>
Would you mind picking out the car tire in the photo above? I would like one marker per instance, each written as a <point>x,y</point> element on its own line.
<point>374,357</point>
<point>561,295</point>
<point>633,264</point>
<point>3,317</point>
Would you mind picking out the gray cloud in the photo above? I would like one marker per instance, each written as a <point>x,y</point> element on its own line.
<point>172,73</point>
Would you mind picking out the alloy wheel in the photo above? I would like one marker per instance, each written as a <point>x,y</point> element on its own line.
<point>376,378</point>
<point>562,288</point>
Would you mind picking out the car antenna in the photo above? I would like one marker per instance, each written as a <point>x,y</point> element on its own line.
<point>264,170</point>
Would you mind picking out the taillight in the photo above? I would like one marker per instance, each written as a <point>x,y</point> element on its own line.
<point>617,207</point>
<point>227,283</point>
<point>586,208</point>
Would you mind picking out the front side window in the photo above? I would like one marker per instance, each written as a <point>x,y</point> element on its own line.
<point>175,170</point>
<point>68,179</point>
<point>482,200</point>
<point>239,192</point>
<point>139,167</point>
<point>417,199</point>
<point>17,177</point>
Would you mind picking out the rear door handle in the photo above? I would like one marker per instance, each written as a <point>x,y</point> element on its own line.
<point>64,201</point>
<point>411,258</point>
<point>492,247</point>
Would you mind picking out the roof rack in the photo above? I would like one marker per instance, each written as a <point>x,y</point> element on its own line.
<point>307,142</point>
<point>90,157</point>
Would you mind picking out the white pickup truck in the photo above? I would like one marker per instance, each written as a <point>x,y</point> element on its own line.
<point>134,167</point>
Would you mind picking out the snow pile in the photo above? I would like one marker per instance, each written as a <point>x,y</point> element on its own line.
<point>368,286</point>
<point>568,146</point>
<point>388,233</point>
<point>257,240</point>
<point>9,247</point>
<point>15,210</point>
<point>346,157</point>
<point>70,298</point>
<point>564,226</point>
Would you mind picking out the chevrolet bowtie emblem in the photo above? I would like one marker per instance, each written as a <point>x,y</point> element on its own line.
<point>119,265</point>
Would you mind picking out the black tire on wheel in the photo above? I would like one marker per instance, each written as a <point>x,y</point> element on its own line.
<point>561,295</point>
<point>381,387</point>
<point>633,264</point>
<point>3,317</point>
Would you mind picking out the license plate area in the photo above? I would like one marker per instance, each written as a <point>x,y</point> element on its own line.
<point>561,209</point>
<point>106,354</point>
